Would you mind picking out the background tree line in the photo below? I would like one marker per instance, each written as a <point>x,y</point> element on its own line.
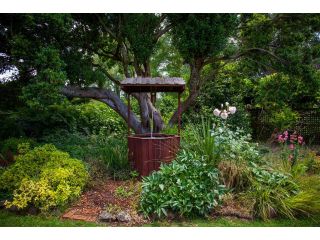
<point>270,61</point>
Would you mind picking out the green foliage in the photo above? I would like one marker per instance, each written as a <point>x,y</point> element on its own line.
<point>44,178</point>
<point>187,186</point>
<point>124,191</point>
<point>93,117</point>
<point>139,30</point>
<point>312,163</point>
<point>11,144</point>
<point>104,154</point>
<point>284,118</point>
<point>269,191</point>
<point>234,145</point>
<point>201,35</point>
<point>48,111</point>
<point>306,202</point>
<point>199,140</point>
<point>220,143</point>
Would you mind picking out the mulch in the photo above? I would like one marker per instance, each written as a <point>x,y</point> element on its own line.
<point>95,200</point>
<point>99,196</point>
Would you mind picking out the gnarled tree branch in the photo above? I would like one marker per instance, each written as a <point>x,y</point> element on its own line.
<point>108,97</point>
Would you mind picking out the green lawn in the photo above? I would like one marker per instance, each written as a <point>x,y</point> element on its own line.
<point>224,222</point>
<point>12,220</point>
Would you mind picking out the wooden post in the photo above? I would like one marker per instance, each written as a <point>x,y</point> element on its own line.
<point>129,110</point>
<point>153,97</point>
<point>179,113</point>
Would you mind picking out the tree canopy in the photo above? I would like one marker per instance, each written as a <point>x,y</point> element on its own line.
<point>58,57</point>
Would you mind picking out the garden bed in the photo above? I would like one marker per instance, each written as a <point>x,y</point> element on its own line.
<point>121,195</point>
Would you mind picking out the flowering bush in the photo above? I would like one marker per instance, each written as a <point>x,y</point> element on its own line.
<point>232,145</point>
<point>291,144</point>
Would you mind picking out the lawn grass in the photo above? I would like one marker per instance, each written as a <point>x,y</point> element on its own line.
<point>225,222</point>
<point>8,219</point>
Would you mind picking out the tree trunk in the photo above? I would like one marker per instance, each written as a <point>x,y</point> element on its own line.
<point>194,88</point>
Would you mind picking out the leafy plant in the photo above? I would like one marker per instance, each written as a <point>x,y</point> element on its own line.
<point>106,155</point>
<point>187,186</point>
<point>269,191</point>
<point>123,192</point>
<point>306,202</point>
<point>200,141</point>
<point>44,178</point>
<point>11,144</point>
<point>234,145</point>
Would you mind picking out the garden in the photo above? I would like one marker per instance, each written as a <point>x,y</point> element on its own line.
<point>247,117</point>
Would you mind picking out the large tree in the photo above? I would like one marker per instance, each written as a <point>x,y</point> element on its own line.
<point>86,55</point>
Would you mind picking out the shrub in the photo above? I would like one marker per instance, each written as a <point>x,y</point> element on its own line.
<point>269,191</point>
<point>11,144</point>
<point>234,145</point>
<point>44,178</point>
<point>187,186</point>
<point>307,201</point>
<point>219,142</point>
<point>284,118</point>
<point>94,117</point>
<point>104,154</point>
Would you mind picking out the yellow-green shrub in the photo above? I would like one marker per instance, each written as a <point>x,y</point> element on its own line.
<point>44,178</point>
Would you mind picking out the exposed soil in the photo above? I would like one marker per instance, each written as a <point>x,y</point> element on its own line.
<point>100,196</point>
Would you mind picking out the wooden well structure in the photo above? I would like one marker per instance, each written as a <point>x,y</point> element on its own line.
<point>147,151</point>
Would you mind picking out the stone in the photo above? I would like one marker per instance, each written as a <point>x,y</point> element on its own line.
<point>107,216</point>
<point>123,217</point>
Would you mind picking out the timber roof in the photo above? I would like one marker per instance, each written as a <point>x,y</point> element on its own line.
<point>157,84</point>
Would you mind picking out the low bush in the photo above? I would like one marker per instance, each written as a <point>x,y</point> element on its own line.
<point>269,191</point>
<point>44,178</point>
<point>234,145</point>
<point>218,142</point>
<point>187,186</point>
<point>307,201</point>
<point>105,155</point>
<point>11,144</point>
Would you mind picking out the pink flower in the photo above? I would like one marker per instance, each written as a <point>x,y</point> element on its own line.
<point>285,135</point>
<point>300,140</point>
<point>291,146</point>
<point>280,139</point>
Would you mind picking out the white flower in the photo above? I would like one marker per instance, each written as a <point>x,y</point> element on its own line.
<point>227,104</point>
<point>232,110</point>
<point>216,112</point>
<point>224,114</point>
